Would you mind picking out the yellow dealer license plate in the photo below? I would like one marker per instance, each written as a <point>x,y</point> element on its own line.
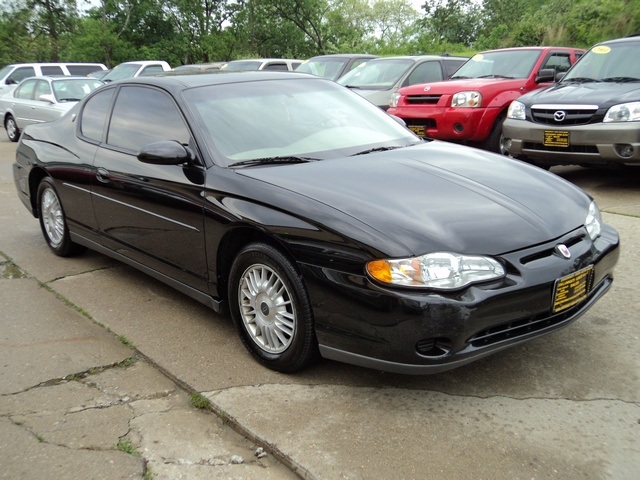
<point>556,138</point>
<point>418,129</point>
<point>572,289</point>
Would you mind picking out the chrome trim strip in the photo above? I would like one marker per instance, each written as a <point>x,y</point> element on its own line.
<point>190,227</point>
<point>564,107</point>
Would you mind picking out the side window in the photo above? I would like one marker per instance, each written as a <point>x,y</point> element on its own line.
<point>144,115</point>
<point>424,73</point>
<point>94,114</point>
<point>450,66</point>
<point>25,91</point>
<point>82,70</point>
<point>42,88</point>
<point>560,62</point>
<point>20,74</point>
<point>51,70</point>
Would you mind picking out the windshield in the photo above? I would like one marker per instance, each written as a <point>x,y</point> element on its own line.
<point>613,62</point>
<point>242,65</point>
<point>504,64</point>
<point>121,71</point>
<point>311,118</point>
<point>74,90</point>
<point>377,74</point>
<point>327,67</point>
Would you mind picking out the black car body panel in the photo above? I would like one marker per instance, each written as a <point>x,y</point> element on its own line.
<point>185,223</point>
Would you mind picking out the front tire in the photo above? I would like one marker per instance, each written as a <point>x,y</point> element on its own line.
<point>270,308</point>
<point>13,132</point>
<point>53,221</point>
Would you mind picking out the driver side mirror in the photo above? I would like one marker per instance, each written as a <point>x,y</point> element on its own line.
<point>546,75</point>
<point>166,152</point>
<point>47,97</point>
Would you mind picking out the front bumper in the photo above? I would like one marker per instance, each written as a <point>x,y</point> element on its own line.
<point>595,144</point>
<point>446,123</point>
<point>426,332</point>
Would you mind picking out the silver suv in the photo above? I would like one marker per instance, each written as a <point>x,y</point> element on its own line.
<point>590,117</point>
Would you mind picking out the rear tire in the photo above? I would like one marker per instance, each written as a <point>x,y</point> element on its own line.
<point>271,310</point>
<point>53,221</point>
<point>13,132</point>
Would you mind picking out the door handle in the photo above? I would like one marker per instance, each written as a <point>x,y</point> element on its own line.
<point>102,174</point>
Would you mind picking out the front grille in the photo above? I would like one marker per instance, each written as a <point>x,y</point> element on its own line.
<point>570,149</point>
<point>423,99</point>
<point>518,328</point>
<point>571,116</point>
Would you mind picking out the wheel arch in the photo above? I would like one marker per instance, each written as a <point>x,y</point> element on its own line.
<point>233,242</point>
<point>35,177</point>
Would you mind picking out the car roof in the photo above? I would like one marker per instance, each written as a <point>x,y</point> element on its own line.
<point>177,82</point>
<point>345,55</point>
<point>59,77</point>
<point>418,57</point>
<point>630,38</point>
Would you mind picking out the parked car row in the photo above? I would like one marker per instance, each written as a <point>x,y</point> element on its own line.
<point>587,115</point>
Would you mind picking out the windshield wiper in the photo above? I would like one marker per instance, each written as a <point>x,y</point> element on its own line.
<point>496,76</point>
<point>272,161</point>
<point>378,149</point>
<point>621,79</point>
<point>580,80</point>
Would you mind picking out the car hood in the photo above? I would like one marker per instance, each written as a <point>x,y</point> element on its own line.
<point>435,196</point>
<point>603,94</point>
<point>455,86</point>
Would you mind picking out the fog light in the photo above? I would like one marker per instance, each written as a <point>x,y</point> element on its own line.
<point>624,150</point>
<point>434,347</point>
<point>458,128</point>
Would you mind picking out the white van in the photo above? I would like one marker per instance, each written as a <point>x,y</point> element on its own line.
<point>13,74</point>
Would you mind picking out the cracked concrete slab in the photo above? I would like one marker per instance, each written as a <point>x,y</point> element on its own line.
<point>338,431</point>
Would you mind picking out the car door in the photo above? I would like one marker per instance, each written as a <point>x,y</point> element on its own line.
<point>151,214</point>
<point>22,102</point>
<point>43,110</point>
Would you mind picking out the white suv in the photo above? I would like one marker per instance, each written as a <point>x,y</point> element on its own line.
<point>13,74</point>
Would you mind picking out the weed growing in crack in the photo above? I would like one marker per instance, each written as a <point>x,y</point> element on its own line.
<point>199,401</point>
<point>126,447</point>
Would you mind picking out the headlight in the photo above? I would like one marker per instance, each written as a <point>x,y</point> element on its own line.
<point>593,222</point>
<point>441,270</point>
<point>393,101</point>
<point>625,112</point>
<point>516,110</point>
<point>467,99</point>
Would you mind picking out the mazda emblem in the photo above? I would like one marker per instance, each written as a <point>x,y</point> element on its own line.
<point>559,116</point>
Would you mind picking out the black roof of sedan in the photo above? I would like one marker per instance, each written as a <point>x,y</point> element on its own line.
<point>182,82</point>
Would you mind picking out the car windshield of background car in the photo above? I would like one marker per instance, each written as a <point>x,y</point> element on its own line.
<point>327,68</point>
<point>376,75</point>
<point>505,64</point>
<point>74,90</point>
<point>310,117</point>
<point>241,66</point>
<point>121,71</point>
<point>608,63</point>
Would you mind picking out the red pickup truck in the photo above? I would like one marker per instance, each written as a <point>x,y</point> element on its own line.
<point>471,106</point>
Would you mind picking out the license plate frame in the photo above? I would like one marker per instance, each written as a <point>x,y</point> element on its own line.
<point>572,289</point>
<point>557,138</point>
<point>420,130</point>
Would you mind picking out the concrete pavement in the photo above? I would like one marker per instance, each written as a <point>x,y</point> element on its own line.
<point>77,400</point>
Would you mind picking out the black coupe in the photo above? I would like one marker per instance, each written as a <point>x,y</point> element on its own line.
<point>322,224</point>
